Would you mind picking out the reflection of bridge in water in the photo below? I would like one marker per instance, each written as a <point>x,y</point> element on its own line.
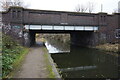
<point>77,68</point>
<point>52,48</point>
<point>87,62</point>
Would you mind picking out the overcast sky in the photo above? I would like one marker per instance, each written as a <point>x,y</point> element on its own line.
<point>69,5</point>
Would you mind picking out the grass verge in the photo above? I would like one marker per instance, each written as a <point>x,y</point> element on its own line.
<point>19,59</point>
<point>12,55</point>
<point>0,66</point>
<point>15,61</point>
<point>49,67</point>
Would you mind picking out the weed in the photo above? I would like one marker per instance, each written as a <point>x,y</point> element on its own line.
<point>11,53</point>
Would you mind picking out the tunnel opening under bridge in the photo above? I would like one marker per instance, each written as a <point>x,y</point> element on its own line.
<point>78,38</point>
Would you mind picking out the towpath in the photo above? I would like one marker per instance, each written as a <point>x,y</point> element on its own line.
<point>34,65</point>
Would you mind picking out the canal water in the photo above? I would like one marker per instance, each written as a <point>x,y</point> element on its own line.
<point>79,62</point>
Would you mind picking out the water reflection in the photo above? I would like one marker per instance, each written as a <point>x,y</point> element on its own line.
<point>77,68</point>
<point>52,48</point>
<point>86,63</point>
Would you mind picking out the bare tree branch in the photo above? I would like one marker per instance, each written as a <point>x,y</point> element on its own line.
<point>80,8</point>
<point>77,8</point>
<point>5,4</point>
<point>90,7</point>
<point>115,10</point>
<point>83,8</point>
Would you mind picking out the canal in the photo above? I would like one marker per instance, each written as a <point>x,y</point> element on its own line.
<point>79,62</point>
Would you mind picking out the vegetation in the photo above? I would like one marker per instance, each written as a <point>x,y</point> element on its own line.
<point>0,53</point>
<point>89,7</point>
<point>0,66</point>
<point>12,54</point>
<point>65,38</point>
<point>49,67</point>
<point>6,4</point>
<point>108,47</point>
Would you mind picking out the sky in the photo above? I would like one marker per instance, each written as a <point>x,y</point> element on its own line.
<point>69,5</point>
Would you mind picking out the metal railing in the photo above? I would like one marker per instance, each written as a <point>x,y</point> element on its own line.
<point>49,27</point>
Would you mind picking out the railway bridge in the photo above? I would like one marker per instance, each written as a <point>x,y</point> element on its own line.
<point>86,29</point>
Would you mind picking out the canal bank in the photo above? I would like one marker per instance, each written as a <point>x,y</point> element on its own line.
<point>37,64</point>
<point>108,47</point>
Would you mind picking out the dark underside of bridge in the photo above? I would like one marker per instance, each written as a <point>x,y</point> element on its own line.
<point>79,38</point>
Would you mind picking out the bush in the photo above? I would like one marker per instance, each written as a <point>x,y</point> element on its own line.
<point>10,53</point>
<point>8,42</point>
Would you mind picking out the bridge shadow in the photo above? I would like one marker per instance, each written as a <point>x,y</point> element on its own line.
<point>38,44</point>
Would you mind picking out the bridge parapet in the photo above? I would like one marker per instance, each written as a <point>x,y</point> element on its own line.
<point>47,17</point>
<point>60,18</point>
<point>13,15</point>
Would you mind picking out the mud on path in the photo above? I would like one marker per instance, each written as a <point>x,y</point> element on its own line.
<point>34,65</point>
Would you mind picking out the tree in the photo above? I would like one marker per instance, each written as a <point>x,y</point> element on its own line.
<point>5,4</point>
<point>90,7</point>
<point>80,8</point>
<point>84,8</point>
<point>115,10</point>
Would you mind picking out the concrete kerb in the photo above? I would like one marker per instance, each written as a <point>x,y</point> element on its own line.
<point>57,75</point>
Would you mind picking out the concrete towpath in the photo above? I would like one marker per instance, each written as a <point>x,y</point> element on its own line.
<point>34,65</point>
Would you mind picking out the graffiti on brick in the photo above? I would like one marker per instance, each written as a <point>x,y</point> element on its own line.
<point>26,36</point>
<point>6,28</point>
<point>20,33</point>
<point>26,39</point>
<point>117,33</point>
<point>16,27</point>
<point>17,30</point>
